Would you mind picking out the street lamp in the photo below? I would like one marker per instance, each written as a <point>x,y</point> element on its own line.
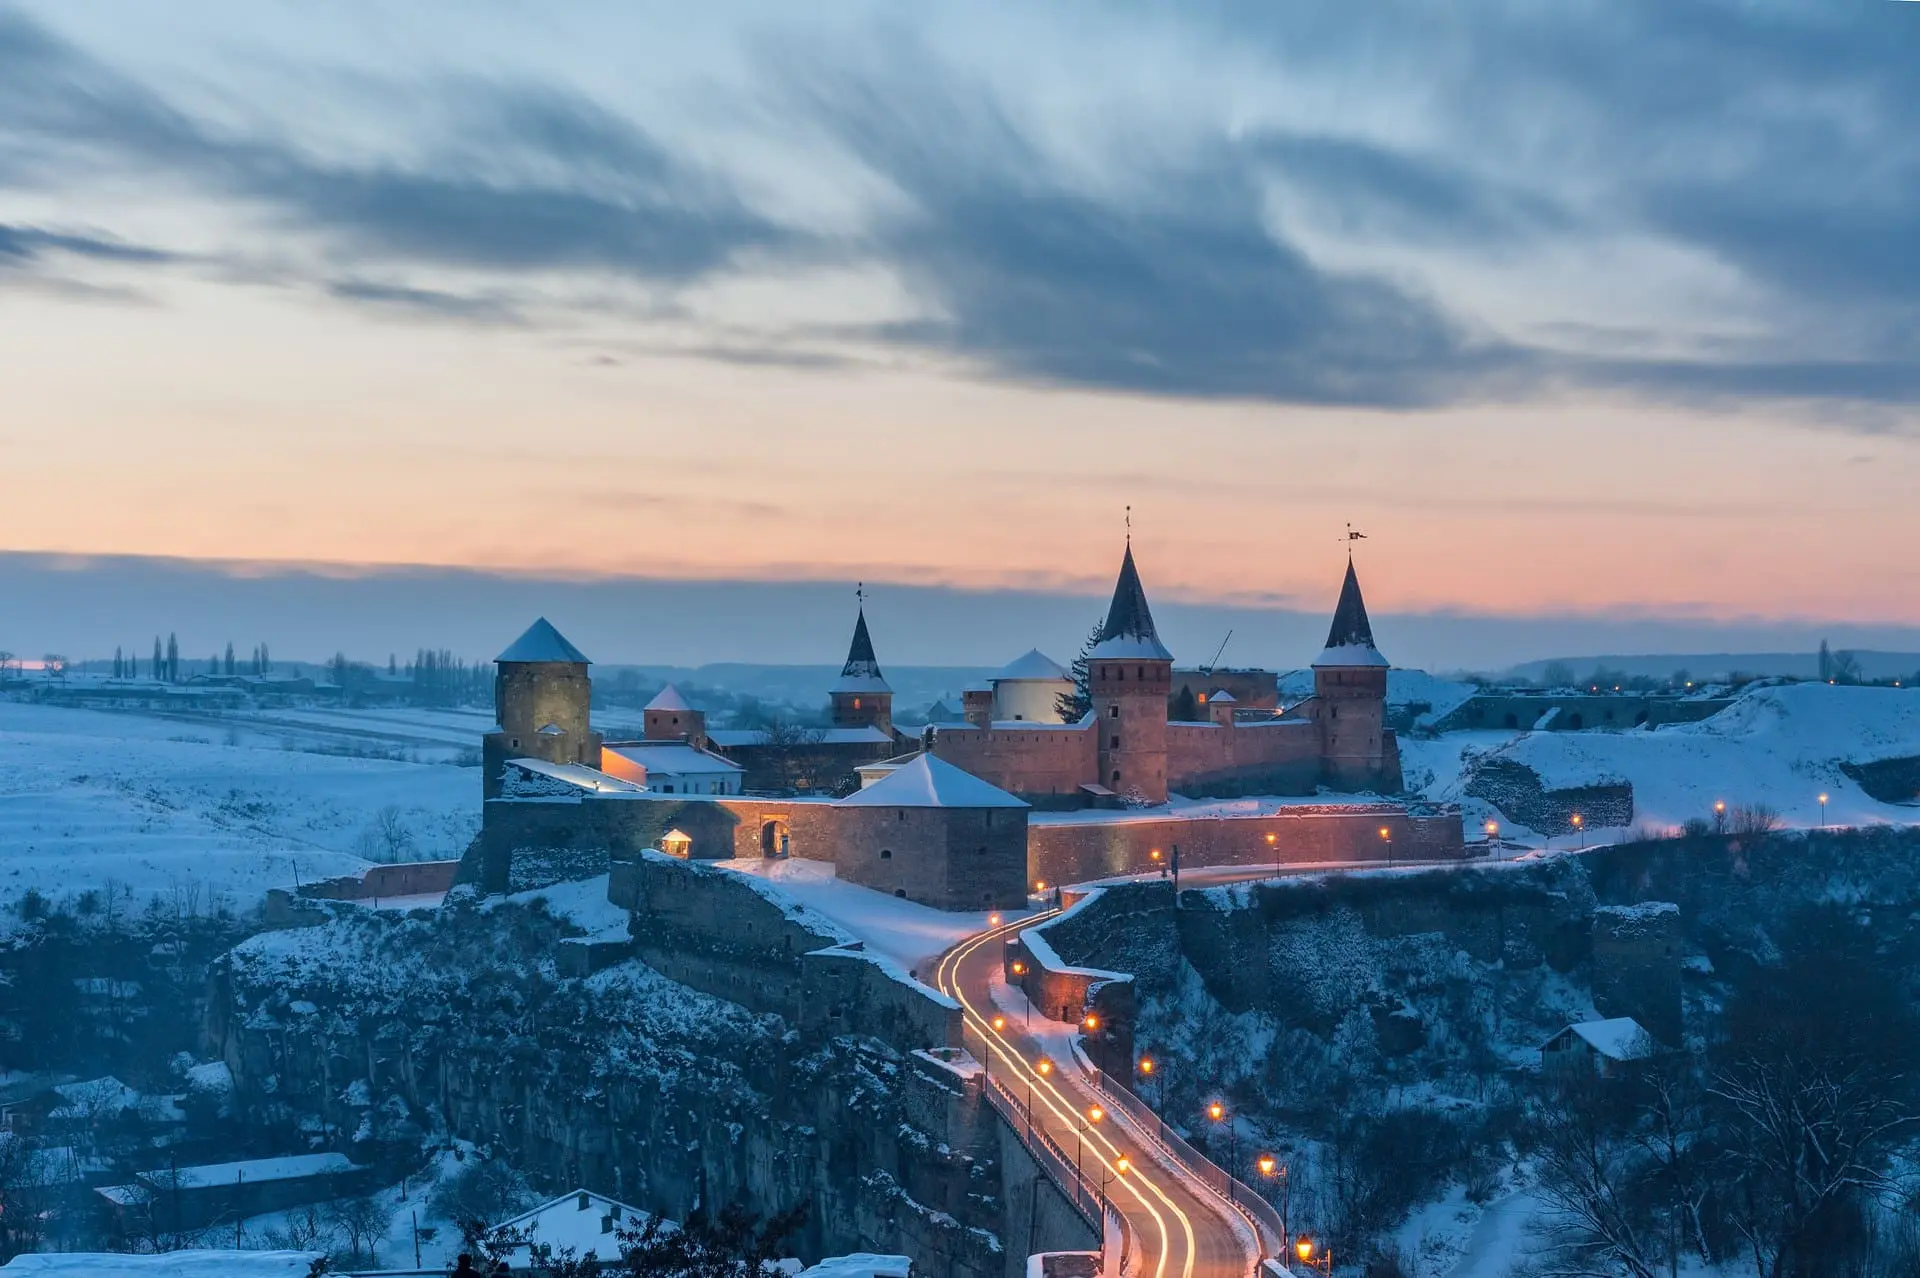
<point>1304,1250</point>
<point>993,920</point>
<point>1386,836</point>
<point>1218,1113</point>
<point>1719,816</point>
<point>1493,831</point>
<point>1045,1066</point>
<point>1091,1023</point>
<point>1580,828</point>
<point>1823,809</point>
<point>1269,1168</point>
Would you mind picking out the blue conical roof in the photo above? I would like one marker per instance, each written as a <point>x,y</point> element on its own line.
<point>542,643</point>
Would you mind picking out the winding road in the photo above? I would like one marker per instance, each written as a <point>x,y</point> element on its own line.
<point>1180,1228</point>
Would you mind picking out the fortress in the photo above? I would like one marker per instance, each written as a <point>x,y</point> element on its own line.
<point>975,814</point>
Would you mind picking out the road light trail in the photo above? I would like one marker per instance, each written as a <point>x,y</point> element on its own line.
<point>1067,1112</point>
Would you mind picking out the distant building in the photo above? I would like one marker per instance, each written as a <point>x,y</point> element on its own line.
<point>1597,1047</point>
<point>582,1222</point>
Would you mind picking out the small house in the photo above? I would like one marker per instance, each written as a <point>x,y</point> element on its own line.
<point>1597,1047</point>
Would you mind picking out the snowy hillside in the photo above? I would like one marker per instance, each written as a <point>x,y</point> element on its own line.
<point>150,804</point>
<point>1778,746</point>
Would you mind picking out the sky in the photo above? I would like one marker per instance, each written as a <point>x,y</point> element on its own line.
<point>1604,311</point>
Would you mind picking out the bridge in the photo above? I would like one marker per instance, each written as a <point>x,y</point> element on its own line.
<point>1161,1208</point>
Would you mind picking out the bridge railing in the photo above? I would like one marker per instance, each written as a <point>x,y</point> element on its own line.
<point>1251,1205</point>
<point>1083,1193</point>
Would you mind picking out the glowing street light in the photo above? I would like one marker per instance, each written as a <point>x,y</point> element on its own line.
<point>1580,828</point>
<point>1019,968</point>
<point>1216,1111</point>
<point>1493,831</point>
<point>1146,1064</point>
<point>1823,809</point>
<point>1386,837</point>
<point>1122,1165</point>
<point>1267,1164</point>
<point>1045,1066</point>
<point>993,920</point>
<point>1095,1113</point>
<point>1091,1023</point>
<point>999,1023</point>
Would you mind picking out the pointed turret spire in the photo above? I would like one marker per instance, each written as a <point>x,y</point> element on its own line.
<point>862,671</point>
<point>1129,633</point>
<point>1350,639</point>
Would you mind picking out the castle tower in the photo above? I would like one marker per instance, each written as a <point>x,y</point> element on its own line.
<point>541,694</point>
<point>668,717</point>
<point>1130,673</point>
<point>861,696</point>
<point>1350,691</point>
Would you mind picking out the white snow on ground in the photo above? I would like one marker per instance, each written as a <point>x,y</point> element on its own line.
<point>583,903</point>
<point>155,804</point>
<point>1780,746</point>
<point>174,1264</point>
<point>910,934</point>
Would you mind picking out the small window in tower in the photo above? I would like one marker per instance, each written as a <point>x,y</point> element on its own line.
<point>1334,711</point>
<point>1113,743</point>
<point>1139,672</point>
<point>1116,776</point>
<point>886,854</point>
<point>1113,712</point>
<point>899,891</point>
<point>516,743</point>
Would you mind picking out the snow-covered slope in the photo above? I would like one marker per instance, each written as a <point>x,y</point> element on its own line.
<point>1404,687</point>
<point>148,804</point>
<point>1778,746</point>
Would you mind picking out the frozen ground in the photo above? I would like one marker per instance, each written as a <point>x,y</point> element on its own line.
<point>1778,746</point>
<point>226,805</point>
<point>911,935</point>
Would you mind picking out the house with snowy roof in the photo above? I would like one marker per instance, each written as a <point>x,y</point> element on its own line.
<point>1597,1047</point>
<point>580,1223</point>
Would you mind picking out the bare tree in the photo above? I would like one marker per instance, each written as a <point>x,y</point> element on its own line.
<point>361,1220</point>
<point>1586,1166</point>
<point>1754,818</point>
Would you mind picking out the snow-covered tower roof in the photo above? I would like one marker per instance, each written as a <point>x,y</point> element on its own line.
<point>668,698</point>
<point>1350,640</point>
<point>1129,633</point>
<point>927,782</point>
<point>542,644</point>
<point>862,671</point>
<point>1032,665</point>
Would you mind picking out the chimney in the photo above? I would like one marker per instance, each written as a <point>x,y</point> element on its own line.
<point>977,705</point>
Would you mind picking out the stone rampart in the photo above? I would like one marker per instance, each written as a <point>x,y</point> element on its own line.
<point>1223,760</point>
<point>409,878</point>
<point>1636,965</point>
<point>1069,849</point>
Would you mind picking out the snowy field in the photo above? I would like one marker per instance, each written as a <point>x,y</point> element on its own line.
<point>1778,746</point>
<point>910,934</point>
<point>224,805</point>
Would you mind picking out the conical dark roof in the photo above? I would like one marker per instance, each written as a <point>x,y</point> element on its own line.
<point>1350,640</point>
<point>1129,633</point>
<point>862,671</point>
<point>541,645</point>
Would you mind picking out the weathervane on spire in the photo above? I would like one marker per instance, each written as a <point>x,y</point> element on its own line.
<point>1353,536</point>
<point>1129,523</point>
<point>860,592</point>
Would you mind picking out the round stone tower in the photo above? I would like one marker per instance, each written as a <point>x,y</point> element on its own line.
<point>541,696</point>
<point>1350,692</point>
<point>1130,674</point>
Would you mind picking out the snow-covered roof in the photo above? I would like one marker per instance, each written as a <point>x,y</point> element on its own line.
<point>581,1220</point>
<point>578,774</point>
<point>95,1097</point>
<point>675,758</point>
<point>860,1264</point>
<point>927,782</point>
<point>253,1171</point>
<point>1619,1039</point>
<point>1222,698</point>
<point>668,698</point>
<point>542,642</point>
<point>1350,638</point>
<point>1129,634</point>
<point>168,1264</point>
<point>1033,664</point>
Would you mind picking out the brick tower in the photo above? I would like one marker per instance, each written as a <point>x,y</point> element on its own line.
<point>541,693</point>
<point>1350,692</point>
<point>1130,673</point>
<point>861,696</point>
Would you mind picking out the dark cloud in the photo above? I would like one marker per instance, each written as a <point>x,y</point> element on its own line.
<point>1773,137</point>
<point>1171,284</point>
<point>534,179</point>
<point>23,245</point>
<point>431,303</point>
